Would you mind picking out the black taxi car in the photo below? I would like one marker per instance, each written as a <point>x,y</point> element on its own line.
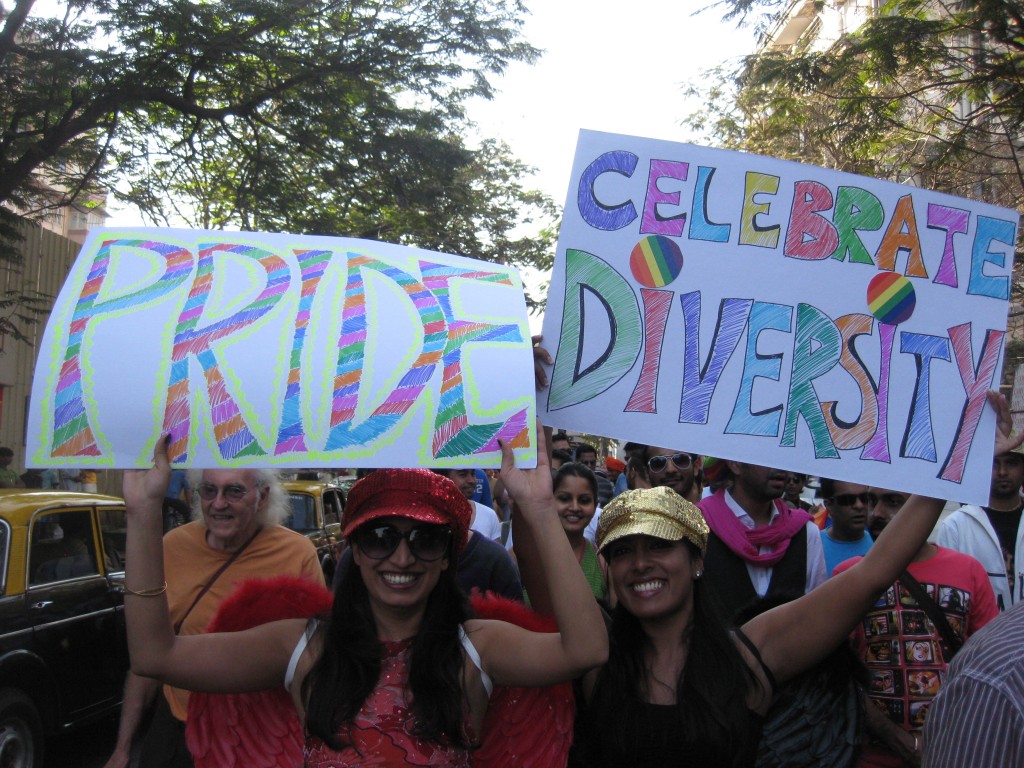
<point>63,650</point>
<point>315,512</point>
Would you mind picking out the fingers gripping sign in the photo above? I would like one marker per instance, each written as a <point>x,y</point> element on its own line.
<point>527,487</point>
<point>144,489</point>
<point>1006,441</point>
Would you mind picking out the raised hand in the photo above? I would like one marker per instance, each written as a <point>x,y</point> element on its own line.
<point>145,488</point>
<point>527,486</point>
<point>1006,441</point>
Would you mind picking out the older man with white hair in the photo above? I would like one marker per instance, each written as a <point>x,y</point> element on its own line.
<point>236,534</point>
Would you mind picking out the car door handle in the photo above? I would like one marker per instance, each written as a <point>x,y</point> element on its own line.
<point>41,604</point>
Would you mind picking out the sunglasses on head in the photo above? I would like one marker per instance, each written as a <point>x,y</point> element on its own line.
<point>426,542</point>
<point>659,464</point>
<point>849,499</point>
<point>209,491</point>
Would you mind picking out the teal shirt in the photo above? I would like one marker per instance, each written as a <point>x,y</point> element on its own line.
<point>837,552</point>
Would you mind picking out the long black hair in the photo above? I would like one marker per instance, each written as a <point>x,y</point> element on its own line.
<point>575,469</point>
<point>348,669</point>
<point>711,691</point>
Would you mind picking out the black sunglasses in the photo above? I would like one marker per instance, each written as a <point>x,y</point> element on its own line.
<point>658,464</point>
<point>426,542</point>
<point>849,499</point>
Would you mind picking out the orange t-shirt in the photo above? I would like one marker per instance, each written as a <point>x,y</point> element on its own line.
<point>189,562</point>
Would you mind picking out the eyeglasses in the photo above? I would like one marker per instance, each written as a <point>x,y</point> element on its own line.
<point>209,491</point>
<point>849,499</point>
<point>658,464</point>
<point>426,542</point>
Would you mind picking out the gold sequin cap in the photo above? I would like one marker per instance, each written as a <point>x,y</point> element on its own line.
<point>658,512</point>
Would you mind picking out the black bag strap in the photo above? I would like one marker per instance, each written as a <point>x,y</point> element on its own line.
<point>935,613</point>
<point>206,587</point>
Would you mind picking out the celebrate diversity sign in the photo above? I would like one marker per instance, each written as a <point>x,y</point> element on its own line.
<point>254,349</point>
<point>780,314</point>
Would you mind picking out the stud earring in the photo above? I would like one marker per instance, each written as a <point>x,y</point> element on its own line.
<point>699,573</point>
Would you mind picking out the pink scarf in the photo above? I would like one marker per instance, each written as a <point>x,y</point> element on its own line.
<point>747,542</point>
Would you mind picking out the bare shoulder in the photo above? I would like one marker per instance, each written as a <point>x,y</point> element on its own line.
<point>291,637</point>
<point>479,630</point>
<point>490,636</point>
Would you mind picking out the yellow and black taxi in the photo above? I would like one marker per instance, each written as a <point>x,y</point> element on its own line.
<point>63,651</point>
<point>315,512</point>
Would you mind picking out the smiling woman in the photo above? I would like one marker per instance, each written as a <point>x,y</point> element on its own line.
<point>680,686</point>
<point>576,502</point>
<point>399,671</point>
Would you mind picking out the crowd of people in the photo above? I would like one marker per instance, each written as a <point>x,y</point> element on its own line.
<point>701,608</point>
<point>79,480</point>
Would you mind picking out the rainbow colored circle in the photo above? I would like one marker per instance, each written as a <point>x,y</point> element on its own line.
<point>656,261</point>
<point>891,298</point>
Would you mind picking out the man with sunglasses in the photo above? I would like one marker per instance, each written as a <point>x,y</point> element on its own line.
<point>758,546</point>
<point>236,534</point>
<point>848,506</point>
<point>671,468</point>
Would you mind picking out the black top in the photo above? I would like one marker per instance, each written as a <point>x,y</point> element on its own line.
<point>653,735</point>
<point>486,565</point>
<point>1006,525</point>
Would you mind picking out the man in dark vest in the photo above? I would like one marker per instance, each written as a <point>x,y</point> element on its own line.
<point>758,546</point>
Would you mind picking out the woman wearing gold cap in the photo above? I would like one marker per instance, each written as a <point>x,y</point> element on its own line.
<point>398,673</point>
<point>679,687</point>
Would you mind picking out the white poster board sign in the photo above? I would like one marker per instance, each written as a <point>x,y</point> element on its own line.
<point>772,312</point>
<point>256,349</point>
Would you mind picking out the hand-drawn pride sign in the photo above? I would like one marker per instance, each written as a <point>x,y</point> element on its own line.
<point>777,313</point>
<point>255,349</point>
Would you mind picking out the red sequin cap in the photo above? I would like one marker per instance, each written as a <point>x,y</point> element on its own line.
<point>417,494</point>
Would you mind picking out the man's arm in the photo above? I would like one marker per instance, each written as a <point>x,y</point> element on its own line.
<point>139,693</point>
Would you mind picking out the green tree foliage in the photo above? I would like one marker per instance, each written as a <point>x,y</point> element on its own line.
<point>330,117</point>
<point>414,184</point>
<point>925,92</point>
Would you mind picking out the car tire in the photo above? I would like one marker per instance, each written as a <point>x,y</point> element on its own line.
<point>21,731</point>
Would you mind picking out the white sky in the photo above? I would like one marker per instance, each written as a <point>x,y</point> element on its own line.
<point>610,66</point>
<point>616,66</point>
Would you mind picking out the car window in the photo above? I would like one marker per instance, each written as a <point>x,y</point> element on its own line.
<point>332,508</point>
<point>62,547</point>
<point>302,517</point>
<point>5,545</point>
<point>114,532</point>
